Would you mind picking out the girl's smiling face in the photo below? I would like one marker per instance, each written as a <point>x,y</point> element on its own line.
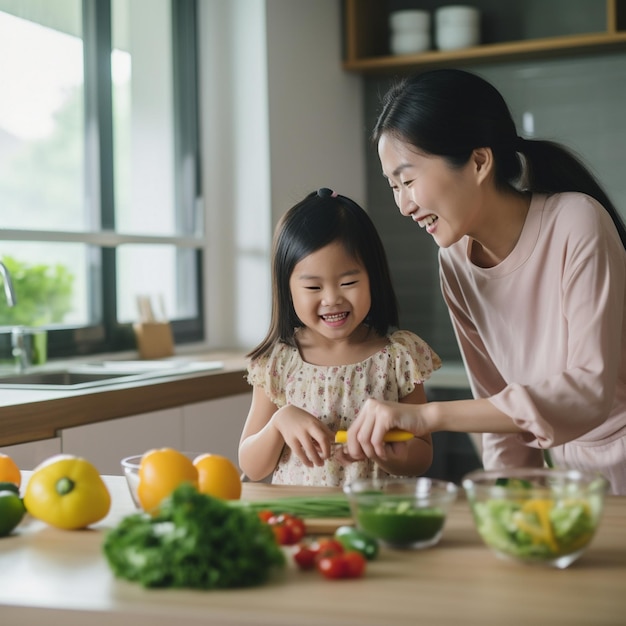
<point>442,199</point>
<point>330,291</point>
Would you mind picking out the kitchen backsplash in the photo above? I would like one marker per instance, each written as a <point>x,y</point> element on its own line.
<point>577,101</point>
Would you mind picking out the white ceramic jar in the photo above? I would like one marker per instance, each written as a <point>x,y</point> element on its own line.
<point>456,27</point>
<point>408,42</point>
<point>413,19</point>
<point>409,31</point>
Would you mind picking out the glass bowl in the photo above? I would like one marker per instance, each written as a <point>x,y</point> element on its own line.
<point>401,512</point>
<point>536,516</point>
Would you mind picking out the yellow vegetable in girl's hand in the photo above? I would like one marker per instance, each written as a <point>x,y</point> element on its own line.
<point>67,492</point>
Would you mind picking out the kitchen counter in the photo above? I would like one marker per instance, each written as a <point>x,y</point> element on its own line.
<point>60,577</point>
<point>30,415</point>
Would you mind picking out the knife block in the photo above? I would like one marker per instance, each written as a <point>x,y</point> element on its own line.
<point>154,339</point>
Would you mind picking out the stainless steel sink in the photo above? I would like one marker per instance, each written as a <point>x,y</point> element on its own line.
<point>62,377</point>
<point>103,373</point>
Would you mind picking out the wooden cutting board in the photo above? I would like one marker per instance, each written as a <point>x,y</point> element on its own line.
<point>314,526</point>
<point>326,526</point>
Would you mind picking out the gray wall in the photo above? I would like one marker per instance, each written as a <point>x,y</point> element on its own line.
<point>579,101</point>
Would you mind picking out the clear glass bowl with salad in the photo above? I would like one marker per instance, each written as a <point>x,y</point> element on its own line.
<point>401,512</point>
<point>538,516</point>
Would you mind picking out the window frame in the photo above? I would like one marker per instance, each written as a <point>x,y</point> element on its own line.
<point>109,335</point>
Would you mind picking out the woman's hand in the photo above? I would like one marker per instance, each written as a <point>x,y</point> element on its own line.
<point>309,439</point>
<point>375,419</point>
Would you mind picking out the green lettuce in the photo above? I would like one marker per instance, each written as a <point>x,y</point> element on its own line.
<point>195,541</point>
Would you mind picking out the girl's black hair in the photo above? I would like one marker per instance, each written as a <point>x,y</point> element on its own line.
<point>322,218</point>
<point>451,112</point>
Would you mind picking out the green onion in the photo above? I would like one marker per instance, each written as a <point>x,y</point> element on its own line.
<point>318,507</point>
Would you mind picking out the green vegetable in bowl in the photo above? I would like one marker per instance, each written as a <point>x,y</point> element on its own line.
<point>399,522</point>
<point>518,483</point>
<point>536,528</point>
<point>573,524</point>
<point>195,541</point>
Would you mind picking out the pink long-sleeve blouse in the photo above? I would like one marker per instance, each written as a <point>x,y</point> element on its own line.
<point>543,337</point>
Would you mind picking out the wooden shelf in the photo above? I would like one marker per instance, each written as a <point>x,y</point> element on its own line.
<point>366,42</point>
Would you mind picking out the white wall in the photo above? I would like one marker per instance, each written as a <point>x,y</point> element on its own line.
<point>279,118</point>
<point>315,113</point>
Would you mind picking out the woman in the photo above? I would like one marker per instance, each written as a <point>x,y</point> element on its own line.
<point>532,268</point>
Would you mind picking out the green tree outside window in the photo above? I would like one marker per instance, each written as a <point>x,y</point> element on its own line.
<point>43,294</point>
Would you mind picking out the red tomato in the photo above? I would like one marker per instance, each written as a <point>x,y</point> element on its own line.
<point>354,564</point>
<point>327,547</point>
<point>332,566</point>
<point>297,527</point>
<point>265,516</point>
<point>282,534</point>
<point>304,556</point>
<point>288,529</point>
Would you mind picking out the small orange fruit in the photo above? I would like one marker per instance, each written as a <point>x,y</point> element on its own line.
<point>9,471</point>
<point>218,476</point>
<point>160,472</point>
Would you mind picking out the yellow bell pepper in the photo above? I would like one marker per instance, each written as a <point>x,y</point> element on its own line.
<point>67,492</point>
<point>541,532</point>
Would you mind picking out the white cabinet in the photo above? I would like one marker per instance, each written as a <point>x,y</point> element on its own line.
<point>215,426</point>
<point>106,443</point>
<point>212,426</point>
<point>29,455</point>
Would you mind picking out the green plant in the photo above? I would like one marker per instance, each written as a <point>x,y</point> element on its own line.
<point>43,294</point>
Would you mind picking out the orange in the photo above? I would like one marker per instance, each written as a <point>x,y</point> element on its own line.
<point>9,471</point>
<point>160,472</point>
<point>218,476</point>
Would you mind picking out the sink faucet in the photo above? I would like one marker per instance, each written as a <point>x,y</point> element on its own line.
<point>17,334</point>
<point>9,292</point>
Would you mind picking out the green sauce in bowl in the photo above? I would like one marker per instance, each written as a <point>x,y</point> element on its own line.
<point>401,512</point>
<point>400,524</point>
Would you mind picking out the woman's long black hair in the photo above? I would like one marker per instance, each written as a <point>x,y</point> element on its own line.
<point>451,112</point>
<point>322,218</point>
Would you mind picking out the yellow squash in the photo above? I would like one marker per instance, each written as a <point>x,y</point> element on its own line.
<point>67,491</point>
<point>539,529</point>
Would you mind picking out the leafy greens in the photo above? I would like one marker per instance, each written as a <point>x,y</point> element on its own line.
<point>194,541</point>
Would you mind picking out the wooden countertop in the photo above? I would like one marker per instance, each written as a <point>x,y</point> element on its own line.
<point>33,415</point>
<point>60,577</point>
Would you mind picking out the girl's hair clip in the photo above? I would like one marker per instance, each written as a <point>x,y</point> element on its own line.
<point>325,192</point>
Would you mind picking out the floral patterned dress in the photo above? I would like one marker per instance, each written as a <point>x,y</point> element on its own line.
<point>334,394</point>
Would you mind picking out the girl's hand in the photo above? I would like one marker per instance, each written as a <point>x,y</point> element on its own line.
<point>308,438</point>
<point>366,433</point>
<point>341,454</point>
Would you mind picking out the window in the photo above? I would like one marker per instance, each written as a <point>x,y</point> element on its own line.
<point>99,162</point>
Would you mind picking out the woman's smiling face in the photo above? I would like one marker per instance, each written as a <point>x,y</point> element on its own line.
<point>442,199</point>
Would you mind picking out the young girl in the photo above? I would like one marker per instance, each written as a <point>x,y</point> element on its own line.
<point>533,270</point>
<point>328,349</point>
